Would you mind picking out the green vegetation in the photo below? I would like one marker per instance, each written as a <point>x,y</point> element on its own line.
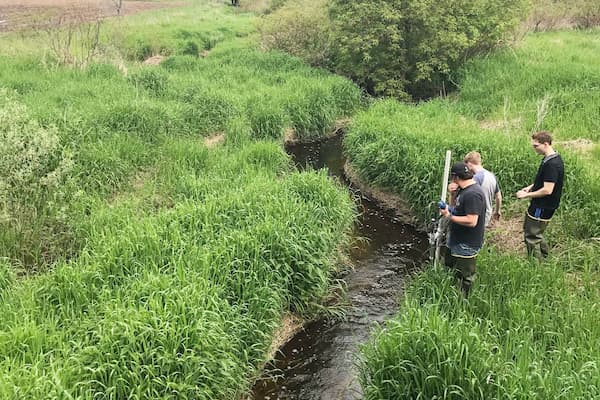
<point>159,267</point>
<point>115,125</point>
<point>528,329</point>
<point>402,48</point>
<point>525,333</point>
<point>550,81</point>
<point>401,146</point>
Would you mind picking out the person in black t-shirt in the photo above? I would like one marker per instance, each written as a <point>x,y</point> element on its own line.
<point>467,223</point>
<point>544,193</point>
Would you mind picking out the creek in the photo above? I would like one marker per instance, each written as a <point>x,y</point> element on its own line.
<point>320,362</point>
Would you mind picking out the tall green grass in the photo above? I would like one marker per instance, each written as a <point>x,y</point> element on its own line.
<point>116,125</point>
<point>527,332</point>
<point>401,147</point>
<point>174,262</point>
<point>528,329</point>
<point>549,81</point>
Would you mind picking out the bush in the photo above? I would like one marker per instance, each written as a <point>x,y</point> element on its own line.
<point>411,47</point>
<point>34,168</point>
<point>300,28</point>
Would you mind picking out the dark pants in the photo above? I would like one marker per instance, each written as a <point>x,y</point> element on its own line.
<point>533,231</point>
<point>464,270</point>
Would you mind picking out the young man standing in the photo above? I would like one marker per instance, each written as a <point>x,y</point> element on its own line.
<point>489,185</point>
<point>466,225</point>
<point>544,193</point>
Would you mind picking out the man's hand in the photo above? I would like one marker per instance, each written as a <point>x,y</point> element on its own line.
<point>452,187</point>
<point>445,212</point>
<point>523,193</point>
<point>496,216</point>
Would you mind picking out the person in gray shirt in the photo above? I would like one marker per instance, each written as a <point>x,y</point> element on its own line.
<point>489,184</point>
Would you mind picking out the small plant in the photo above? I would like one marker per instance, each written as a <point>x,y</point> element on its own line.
<point>74,41</point>
<point>190,48</point>
<point>151,79</point>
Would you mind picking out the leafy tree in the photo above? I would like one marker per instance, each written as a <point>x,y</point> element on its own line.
<point>409,48</point>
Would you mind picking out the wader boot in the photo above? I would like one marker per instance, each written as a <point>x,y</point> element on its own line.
<point>533,230</point>
<point>465,269</point>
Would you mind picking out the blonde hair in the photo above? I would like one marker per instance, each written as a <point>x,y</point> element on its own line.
<point>473,157</point>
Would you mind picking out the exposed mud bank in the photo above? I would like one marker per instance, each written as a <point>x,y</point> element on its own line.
<point>389,202</point>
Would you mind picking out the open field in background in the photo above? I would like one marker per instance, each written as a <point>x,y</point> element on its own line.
<point>155,266</point>
<point>529,330</point>
<point>24,15</point>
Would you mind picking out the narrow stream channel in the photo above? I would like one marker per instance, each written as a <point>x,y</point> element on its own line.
<point>319,362</point>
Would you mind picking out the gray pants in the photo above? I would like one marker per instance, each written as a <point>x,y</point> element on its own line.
<point>533,231</point>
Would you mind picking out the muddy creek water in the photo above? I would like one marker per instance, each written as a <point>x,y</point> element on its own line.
<point>320,361</point>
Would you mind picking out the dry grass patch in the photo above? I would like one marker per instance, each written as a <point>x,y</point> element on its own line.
<point>214,140</point>
<point>154,60</point>
<point>502,124</point>
<point>580,145</point>
<point>506,235</point>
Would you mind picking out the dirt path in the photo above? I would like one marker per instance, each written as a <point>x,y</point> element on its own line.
<point>20,15</point>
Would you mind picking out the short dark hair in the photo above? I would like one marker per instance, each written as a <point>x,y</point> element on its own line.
<point>542,137</point>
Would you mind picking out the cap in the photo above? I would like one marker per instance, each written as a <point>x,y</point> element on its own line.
<point>461,170</point>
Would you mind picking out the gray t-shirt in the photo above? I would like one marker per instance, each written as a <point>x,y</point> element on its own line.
<point>489,185</point>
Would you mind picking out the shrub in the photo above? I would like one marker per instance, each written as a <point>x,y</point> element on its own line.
<point>300,28</point>
<point>411,47</point>
<point>34,168</point>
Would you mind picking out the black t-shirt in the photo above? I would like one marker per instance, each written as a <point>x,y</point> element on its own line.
<point>470,200</point>
<point>552,170</point>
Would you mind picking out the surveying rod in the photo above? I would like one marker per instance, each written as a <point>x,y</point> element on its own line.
<point>440,227</point>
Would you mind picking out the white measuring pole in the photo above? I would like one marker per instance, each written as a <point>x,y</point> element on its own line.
<point>439,233</point>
